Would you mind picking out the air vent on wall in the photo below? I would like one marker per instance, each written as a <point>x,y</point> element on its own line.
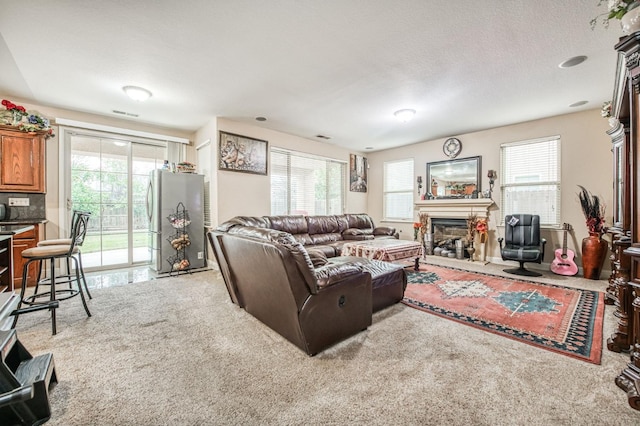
<point>129,114</point>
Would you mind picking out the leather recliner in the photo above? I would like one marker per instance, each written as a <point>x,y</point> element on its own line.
<point>274,280</point>
<point>522,242</point>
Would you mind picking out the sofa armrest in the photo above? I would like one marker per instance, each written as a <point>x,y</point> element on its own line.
<point>331,274</point>
<point>385,230</point>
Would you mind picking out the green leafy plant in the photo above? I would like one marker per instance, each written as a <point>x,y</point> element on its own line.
<point>616,10</point>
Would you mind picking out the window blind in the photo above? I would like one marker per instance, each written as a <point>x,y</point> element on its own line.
<point>398,189</point>
<point>306,184</point>
<point>531,179</point>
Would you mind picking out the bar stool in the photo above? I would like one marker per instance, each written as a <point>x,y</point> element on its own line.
<point>66,278</point>
<point>51,253</point>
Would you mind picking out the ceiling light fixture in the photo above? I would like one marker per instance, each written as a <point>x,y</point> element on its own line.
<point>137,93</point>
<point>572,62</point>
<point>577,104</point>
<point>405,115</point>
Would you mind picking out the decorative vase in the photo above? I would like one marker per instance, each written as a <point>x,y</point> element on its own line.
<point>630,21</point>
<point>459,249</point>
<point>471,250</point>
<point>428,244</point>
<point>17,118</point>
<point>594,251</point>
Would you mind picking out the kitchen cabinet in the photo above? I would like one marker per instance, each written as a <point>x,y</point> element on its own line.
<point>23,241</point>
<point>22,160</point>
<point>6,271</point>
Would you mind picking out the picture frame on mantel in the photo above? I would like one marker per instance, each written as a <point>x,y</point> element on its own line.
<point>357,173</point>
<point>237,153</point>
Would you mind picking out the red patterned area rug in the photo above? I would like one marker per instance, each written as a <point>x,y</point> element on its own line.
<point>559,319</point>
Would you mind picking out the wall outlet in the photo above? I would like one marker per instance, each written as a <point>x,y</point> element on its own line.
<point>19,202</point>
<point>200,255</point>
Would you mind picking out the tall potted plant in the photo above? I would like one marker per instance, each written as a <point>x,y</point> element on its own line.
<point>594,248</point>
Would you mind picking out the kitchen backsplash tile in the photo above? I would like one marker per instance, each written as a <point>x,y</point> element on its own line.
<point>36,209</point>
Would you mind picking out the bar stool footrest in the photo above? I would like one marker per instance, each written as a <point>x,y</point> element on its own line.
<point>53,304</point>
<point>62,294</point>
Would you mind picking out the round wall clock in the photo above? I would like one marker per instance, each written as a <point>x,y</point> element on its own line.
<point>452,147</point>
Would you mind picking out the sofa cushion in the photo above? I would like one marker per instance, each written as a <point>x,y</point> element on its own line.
<point>333,273</point>
<point>360,221</point>
<point>290,224</point>
<point>300,255</point>
<point>325,238</point>
<point>327,249</point>
<point>304,239</point>
<point>384,230</point>
<point>388,280</point>
<point>356,234</point>
<point>257,222</point>
<point>318,258</point>
<point>357,231</point>
<point>323,225</point>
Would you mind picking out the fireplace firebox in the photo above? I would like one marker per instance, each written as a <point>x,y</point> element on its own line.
<point>447,231</point>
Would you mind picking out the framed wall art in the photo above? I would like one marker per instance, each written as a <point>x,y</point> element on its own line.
<point>239,153</point>
<point>357,173</point>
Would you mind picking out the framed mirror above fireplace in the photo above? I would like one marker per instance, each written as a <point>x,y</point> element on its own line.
<point>459,178</point>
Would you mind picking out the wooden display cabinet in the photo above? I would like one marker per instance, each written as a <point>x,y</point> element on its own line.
<point>629,379</point>
<point>22,160</point>
<point>624,289</point>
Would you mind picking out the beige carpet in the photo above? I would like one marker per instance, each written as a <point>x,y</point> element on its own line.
<point>176,351</point>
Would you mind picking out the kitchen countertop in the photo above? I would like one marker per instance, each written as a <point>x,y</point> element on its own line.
<point>22,221</point>
<point>14,229</point>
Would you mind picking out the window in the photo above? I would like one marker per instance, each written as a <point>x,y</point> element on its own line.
<point>398,190</point>
<point>531,179</point>
<point>306,184</point>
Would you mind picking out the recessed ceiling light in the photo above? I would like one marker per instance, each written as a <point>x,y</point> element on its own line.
<point>405,115</point>
<point>130,114</point>
<point>261,118</point>
<point>579,103</point>
<point>137,93</point>
<point>572,62</point>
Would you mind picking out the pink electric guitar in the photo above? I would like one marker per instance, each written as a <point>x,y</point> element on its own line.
<point>563,264</point>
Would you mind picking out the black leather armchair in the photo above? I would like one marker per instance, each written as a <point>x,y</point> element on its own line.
<point>522,242</point>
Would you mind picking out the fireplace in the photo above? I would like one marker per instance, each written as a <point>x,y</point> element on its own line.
<point>447,220</point>
<point>445,232</point>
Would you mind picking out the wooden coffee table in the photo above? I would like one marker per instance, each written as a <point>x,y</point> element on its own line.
<point>387,250</point>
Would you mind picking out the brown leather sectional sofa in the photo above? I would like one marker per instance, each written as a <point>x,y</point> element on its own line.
<point>326,234</point>
<point>287,272</point>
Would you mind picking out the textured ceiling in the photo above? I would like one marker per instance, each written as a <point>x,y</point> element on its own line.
<point>333,67</point>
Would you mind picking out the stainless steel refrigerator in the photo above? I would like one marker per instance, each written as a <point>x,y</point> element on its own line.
<point>167,194</point>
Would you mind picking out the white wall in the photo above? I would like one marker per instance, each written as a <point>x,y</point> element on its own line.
<point>250,195</point>
<point>586,160</point>
<point>54,147</point>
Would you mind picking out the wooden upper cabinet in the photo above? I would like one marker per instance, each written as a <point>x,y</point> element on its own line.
<point>22,161</point>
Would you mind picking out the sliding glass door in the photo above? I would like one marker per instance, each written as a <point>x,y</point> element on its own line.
<point>109,177</point>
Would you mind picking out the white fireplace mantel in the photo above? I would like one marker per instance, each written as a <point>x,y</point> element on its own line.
<point>454,208</point>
